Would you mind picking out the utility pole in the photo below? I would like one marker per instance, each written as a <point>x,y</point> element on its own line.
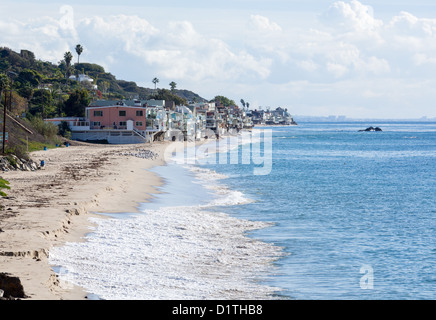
<point>4,123</point>
<point>5,107</point>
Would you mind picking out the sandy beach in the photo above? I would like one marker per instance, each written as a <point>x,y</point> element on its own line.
<point>48,207</point>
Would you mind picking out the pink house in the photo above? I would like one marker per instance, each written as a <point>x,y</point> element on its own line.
<point>118,117</point>
<point>119,122</point>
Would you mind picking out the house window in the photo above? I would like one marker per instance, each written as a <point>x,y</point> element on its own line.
<point>98,113</point>
<point>139,113</point>
<point>138,123</point>
<point>123,123</point>
<point>122,113</point>
<point>96,124</point>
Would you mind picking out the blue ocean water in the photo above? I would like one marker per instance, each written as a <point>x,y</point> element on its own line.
<point>354,211</point>
<point>335,214</point>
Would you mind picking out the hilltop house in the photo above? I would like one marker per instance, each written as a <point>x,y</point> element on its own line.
<point>84,78</point>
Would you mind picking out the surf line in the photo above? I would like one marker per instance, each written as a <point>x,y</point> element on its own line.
<point>256,149</point>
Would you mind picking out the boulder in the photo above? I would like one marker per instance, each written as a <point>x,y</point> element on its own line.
<point>371,129</point>
<point>11,287</point>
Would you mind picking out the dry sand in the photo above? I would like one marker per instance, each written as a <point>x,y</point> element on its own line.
<point>48,207</point>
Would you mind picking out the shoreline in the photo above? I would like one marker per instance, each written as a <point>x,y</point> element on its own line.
<point>52,206</point>
<point>58,208</point>
<point>176,248</point>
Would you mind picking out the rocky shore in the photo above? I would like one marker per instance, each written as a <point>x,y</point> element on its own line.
<point>13,163</point>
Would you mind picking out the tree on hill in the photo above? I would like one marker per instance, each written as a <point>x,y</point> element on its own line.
<point>79,50</point>
<point>165,94</point>
<point>68,57</point>
<point>224,101</point>
<point>42,104</point>
<point>4,83</point>
<point>155,81</point>
<point>173,86</point>
<point>76,103</point>
<point>243,103</point>
<point>30,77</point>
<point>26,96</point>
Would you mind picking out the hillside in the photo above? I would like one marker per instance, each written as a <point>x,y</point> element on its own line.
<point>124,88</point>
<point>31,73</point>
<point>42,89</point>
<point>26,136</point>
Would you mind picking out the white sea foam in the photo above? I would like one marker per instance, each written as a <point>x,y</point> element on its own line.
<point>206,175</point>
<point>171,253</point>
<point>224,196</point>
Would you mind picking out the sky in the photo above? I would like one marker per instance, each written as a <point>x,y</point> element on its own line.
<point>361,59</point>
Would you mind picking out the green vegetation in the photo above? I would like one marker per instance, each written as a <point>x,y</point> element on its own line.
<point>224,101</point>
<point>48,130</point>
<point>165,94</point>
<point>36,146</point>
<point>44,89</point>
<point>4,184</point>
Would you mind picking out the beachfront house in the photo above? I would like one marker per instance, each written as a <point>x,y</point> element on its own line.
<point>121,122</point>
<point>139,121</point>
<point>199,111</point>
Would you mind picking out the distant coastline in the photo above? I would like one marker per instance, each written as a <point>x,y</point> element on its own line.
<point>334,118</point>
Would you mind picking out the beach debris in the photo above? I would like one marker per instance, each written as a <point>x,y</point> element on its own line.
<point>141,153</point>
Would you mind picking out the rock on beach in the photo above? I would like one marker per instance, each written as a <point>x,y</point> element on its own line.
<point>12,162</point>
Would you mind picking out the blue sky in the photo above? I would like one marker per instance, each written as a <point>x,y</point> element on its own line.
<point>363,59</point>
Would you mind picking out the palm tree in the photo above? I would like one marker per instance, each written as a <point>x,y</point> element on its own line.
<point>173,85</point>
<point>68,56</point>
<point>79,50</point>
<point>243,103</point>
<point>155,81</point>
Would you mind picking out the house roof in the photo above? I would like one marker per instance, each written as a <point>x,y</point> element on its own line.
<point>128,103</point>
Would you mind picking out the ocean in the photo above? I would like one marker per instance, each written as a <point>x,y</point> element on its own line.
<point>315,211</point>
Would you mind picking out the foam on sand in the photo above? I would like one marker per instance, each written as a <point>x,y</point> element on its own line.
<point>171,253</point>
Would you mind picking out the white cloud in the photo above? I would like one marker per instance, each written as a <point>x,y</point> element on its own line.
<point>421,59</point>
<point>353,16</point>
<point>308,65</point>
<point>347,46</point>
<point>410,25</point>
<point>262,23</point>
<point>175,52</point>
<point>338,70</point>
